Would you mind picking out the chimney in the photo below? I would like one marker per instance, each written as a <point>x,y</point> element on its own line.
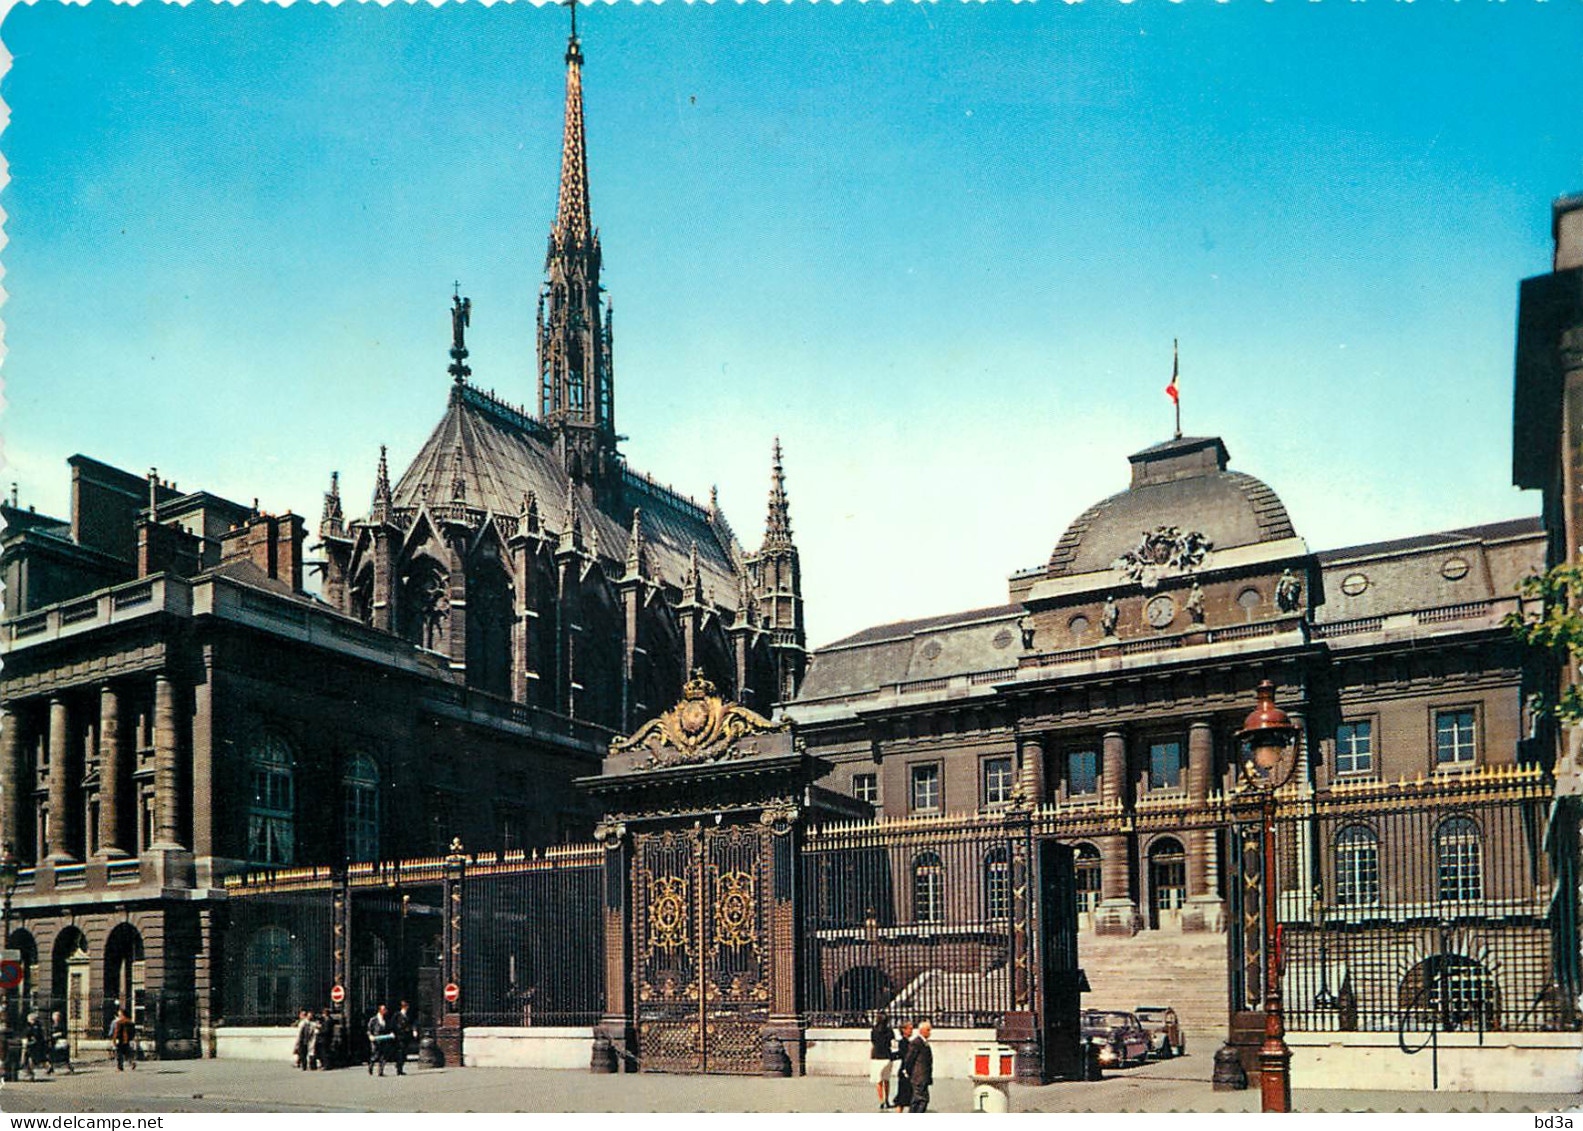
<point>273,543</point>
<point>1566,224</point>
<point>289,532</point>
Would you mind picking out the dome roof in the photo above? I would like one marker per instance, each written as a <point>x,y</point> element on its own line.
<point>1183,483</point>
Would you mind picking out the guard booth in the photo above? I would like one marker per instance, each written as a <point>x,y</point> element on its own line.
<point>704,811</point>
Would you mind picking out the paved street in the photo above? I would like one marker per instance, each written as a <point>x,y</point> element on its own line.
<point>210,1086</point>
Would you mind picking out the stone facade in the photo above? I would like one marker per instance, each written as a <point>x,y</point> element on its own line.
<point>1110,688</point>
<point>176,707</point>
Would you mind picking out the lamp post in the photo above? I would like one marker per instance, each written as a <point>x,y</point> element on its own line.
<point>1268,733</point>
<point>10,872</point>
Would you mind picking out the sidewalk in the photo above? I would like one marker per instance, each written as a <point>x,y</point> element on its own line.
<point>218,1086</point>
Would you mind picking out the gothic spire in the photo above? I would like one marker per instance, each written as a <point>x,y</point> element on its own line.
<point>777,525</point>
<point>528,519</point>
<point>576,379</point>
<point>332,524</point>
<point>571,526</point>
<point>381,508</point>
<point>572,218</point>
<point>635,545</point>
<point>461,318</point>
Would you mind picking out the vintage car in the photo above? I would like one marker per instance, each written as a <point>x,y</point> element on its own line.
<point>1118,1036</point>
<point>1164,1030</point>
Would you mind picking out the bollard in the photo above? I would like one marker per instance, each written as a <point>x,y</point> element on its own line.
<point>994,1066</point>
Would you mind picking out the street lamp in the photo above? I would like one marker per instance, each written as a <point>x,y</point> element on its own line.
<point>10,873</point>
<point>1268,733</point>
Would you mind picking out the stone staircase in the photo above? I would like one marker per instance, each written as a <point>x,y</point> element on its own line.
<point>1184,971</point>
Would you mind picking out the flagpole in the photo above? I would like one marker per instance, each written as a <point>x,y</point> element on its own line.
<point>1176,400</point>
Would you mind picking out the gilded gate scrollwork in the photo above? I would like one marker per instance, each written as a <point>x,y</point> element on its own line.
<point>702,967</point>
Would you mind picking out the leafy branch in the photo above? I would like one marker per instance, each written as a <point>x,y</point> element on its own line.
<point>1557,627</point>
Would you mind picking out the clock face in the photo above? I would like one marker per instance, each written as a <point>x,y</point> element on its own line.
<point>1161,611</point>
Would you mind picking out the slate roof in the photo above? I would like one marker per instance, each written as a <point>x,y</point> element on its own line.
<point>1230,508</point>
<point>506,454</point>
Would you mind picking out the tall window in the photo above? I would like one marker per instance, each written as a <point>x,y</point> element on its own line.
<point>865,787</point>
<point>997,886</point>
<point>1088,877</point>
<point>1454,738</point>
<point>1082,772</point>
<point>926,788</point>
<point>267,975</point>
<point>1357,867</point>
<point>360,794</point>
<point>997,781</point>
<point>928,889</point>
<point>1355,747</point>
<point>1165,765</point>
<point>1458,859</point>
<point>271,819</point>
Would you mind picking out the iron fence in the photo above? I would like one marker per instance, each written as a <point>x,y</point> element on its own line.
<point>276,954</point>
<point>533,939</point>
<point>1440,912</point>
<point>914,917</point>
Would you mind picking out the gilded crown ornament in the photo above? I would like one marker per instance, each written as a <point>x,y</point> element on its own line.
<point>702,727</point>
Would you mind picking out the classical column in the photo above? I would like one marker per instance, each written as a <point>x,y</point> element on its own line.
<point>1306,849</point>
<point>1030,782</point>
<point>1204,910</point>
<point>113,779</point>
<point>202,803</point>
<point>13,811</point>
<point>167,796</point>
<point>1116,914</point>
<point>60,799</point>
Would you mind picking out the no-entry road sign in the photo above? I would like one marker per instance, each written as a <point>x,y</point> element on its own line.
<point>452,992</point>
<point>337,994</point>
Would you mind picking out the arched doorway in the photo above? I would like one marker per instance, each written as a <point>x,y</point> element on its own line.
<point>69,981</point>
<point>123,976</point>
<point>1167,882</point>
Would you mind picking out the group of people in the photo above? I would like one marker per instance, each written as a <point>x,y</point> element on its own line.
<point>391,1037</point>
<point>314,1032</point>
<point>909,1060</point>
<point>45,1046</point>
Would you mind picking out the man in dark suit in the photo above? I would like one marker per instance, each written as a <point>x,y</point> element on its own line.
<point>406,1036</point>
<point>922,1067</point>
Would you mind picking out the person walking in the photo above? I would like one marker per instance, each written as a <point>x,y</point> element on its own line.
<point>406,1036</point>
<point>35,1047</point>
<point>315,1041</point>
<point>299,1052</point>
<point>922,1068</point>
<point>903,1054</point>
<point>381,1039</point>
<point>123,1038</point>
<point>881,1057</point>
<point>59,1043</point>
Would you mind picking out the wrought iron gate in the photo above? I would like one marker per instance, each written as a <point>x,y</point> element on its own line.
<point>699,935</point>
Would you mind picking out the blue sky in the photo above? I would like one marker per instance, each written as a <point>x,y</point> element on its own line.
<point>941,250</point>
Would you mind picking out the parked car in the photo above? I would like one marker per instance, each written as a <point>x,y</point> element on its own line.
<point>1163,1028</point>
<point>1119,1037</point>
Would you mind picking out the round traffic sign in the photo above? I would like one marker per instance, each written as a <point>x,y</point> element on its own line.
<point>337,994</point>
<point>452,992</point>
<point>10,974</point>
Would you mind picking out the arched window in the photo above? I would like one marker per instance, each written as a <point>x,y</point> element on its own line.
<point>997,886</point>
<point>269,975</point>
<point>1456,992</point>
<point>928,889</point>
<point>1458,859</point>
<point>1088,877</point>
<point>360,806</point>
<point>1167,874</point>
<point>271,819</point>
<point>1357,867</point>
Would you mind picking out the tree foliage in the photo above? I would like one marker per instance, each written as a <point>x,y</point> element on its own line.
<point>1557,627</point>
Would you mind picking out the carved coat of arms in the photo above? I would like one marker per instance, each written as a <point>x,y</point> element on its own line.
<point>1165,548</point>
<point>703,727</point>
